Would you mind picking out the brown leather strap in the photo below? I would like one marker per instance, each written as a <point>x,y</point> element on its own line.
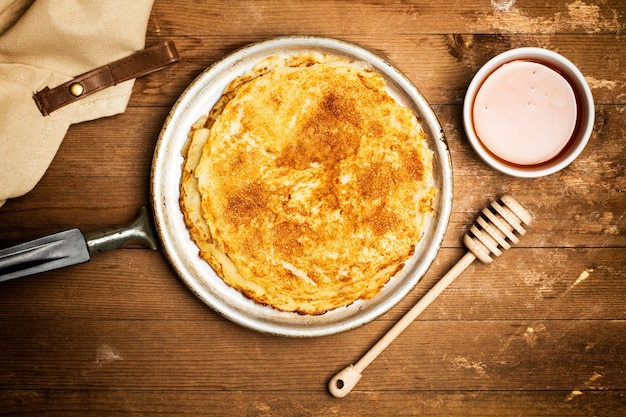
<point>133,66</point>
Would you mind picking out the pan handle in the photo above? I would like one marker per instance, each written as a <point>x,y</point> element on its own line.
<point>139,232</point>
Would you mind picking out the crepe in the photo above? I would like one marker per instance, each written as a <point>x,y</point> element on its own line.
<point>307,186</point>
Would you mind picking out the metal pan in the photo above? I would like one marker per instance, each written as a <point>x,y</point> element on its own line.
<point>182,252</point>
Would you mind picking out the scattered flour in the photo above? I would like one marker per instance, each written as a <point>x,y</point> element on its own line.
<point>106,354</point>
<point>502,5</point>
<point>508,18</point>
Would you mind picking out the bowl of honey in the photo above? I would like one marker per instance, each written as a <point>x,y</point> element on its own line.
<point>528,112</point>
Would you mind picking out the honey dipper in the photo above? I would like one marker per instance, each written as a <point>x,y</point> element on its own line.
<point>494,230</point>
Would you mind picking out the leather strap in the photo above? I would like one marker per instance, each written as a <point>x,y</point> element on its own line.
<point>136,65</point>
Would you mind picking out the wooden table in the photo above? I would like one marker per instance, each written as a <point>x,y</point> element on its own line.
<point>541,331</point>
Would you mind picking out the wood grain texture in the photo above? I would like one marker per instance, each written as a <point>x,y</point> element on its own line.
<point>539,332</point>
<point>366,404</point>
<point>553,283</point>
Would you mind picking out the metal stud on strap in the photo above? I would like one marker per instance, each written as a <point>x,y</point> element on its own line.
<point>76,89</point>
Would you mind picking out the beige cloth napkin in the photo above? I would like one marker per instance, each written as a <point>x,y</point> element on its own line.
<point>46,43</point>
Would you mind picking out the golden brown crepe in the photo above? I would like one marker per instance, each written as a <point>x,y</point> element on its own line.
<point>307,186</point>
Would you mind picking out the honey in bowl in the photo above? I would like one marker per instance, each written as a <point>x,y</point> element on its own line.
<point>528,112</point>
<point>525,113</point>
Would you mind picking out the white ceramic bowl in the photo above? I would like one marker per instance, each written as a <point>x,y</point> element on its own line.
<point>585,108</point>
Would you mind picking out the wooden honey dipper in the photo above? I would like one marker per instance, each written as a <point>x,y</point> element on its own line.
<point>495,229</point>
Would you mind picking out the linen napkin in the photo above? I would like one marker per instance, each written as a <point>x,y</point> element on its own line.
<point>46,43</point>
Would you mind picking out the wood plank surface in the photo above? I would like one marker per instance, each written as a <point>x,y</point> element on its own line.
<point>541,331</point>
<point>551,283</point>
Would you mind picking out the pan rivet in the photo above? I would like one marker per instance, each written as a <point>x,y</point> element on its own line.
<point>76,89</point>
